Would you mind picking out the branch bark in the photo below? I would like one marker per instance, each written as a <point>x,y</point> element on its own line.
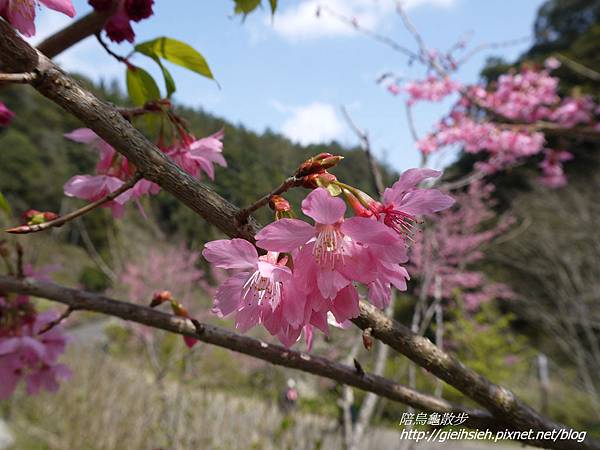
<point>18,56</point>
<point>275,354</point>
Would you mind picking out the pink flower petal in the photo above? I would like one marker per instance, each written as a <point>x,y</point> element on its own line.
<point>330,282</point>
<point>323,208</point>
<point>231,254</point>
<point>284,235</point>
<point>228,296</point>
<point>425,201</point>
<point>345,304</point>
<point>63,6</point>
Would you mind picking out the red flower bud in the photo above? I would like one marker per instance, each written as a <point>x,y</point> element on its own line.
<point>279,204</point>
<point>317,164</point>
<point>160,297</point>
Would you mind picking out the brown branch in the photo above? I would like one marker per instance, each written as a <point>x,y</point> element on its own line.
<point>18,77</point>
<point>60,221</point>
<point>18,56</point>
<point>77,31</point>
<point>497,399</point>
<point>275,354</point>
<point>363,137</point>
<point>579,68</point>
<point>287,184</point>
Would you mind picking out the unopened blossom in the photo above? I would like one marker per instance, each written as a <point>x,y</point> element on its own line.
<point>6,115</point>
<point>118,27</point>
<point>21,13</point>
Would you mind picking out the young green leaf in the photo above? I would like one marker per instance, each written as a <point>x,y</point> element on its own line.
<point>176,52</point>
<point>273,4</point>
<point>141,86</point>
<point>4,206</point>
<point>245,7</point>
<point>169,81</point>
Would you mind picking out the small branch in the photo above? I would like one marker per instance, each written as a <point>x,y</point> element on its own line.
<point>579,68</point>
<point>372,34</point>
<point>105,46</point>
<point>362,135</point>
<point>57,321</point>
<point>60,221</point>
<point>153,106</point>
<point>24,78</point>
<point>275,354</point>
<point>492,46</point>
<point>287,184</point>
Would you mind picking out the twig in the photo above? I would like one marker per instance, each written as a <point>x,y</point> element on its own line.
<point>362,135</point>
<point>60,221</point>
<point>105,46</point>
<point>27,77</point>
<point>578,67</point>
<point>57,321</point>
<point>492,46</point>
<point>374,35</point>
<point>288,183</point>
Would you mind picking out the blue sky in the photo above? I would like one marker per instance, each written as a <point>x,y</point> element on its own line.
<point>291,74</point>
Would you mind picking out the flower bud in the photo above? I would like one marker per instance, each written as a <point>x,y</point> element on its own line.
<point>316,180</point>
<point>317,164</point>
<point>160,297</point>
<point>279,204</point>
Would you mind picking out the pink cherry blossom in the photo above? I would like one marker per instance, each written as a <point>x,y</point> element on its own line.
<point>32,357</point>
<point>431,89</point>
<point>6,115</point>
<point>404,202</point>
<point>196,156</point>
<point>92,188</point>
<point>257,290</point>
<point>21,13</point>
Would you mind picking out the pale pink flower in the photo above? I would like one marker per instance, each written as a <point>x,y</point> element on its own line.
<point>33,357</point>
<point>256,291</point>
<point>21,13</point>
<point>404,202</point>
<point>199,155</point>
<point>92,188</point>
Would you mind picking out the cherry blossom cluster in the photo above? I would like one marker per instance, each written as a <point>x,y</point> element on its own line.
<point>113,170</point>
<point>310,271</point>
<point>118,27</point>
<point>454,242</point>
<point>30,344</point>
<point>21,13</point>
<point>514,106</point>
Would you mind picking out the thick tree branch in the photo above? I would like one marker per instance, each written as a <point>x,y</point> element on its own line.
<point>497,399</point>
<point>77,31</point>
<point>276,354</point>
<point>17,56</point>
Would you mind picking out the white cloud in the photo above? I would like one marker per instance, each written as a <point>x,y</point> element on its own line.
<point>300,22</point>
<point>311,124</point>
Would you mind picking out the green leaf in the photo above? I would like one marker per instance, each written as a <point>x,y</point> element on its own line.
<point>176,52</point>
<point>4,206</point>
<point>273,4</point>
<point>141,86</point>
<point>245,7</point>
<point>169,81</point>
